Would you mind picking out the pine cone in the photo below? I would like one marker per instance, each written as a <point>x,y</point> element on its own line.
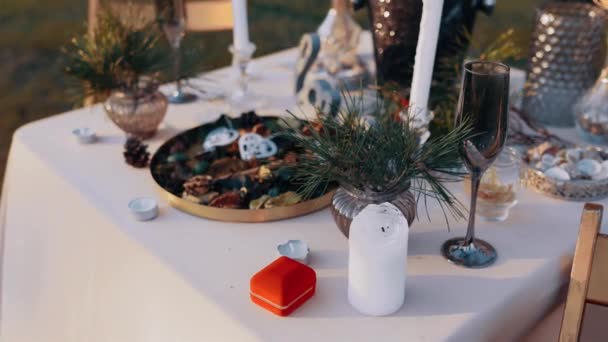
<point>136,153</point>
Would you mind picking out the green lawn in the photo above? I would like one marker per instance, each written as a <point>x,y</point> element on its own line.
<point>32,85</point>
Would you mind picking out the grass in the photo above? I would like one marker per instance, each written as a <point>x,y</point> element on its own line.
<point>33,31</point>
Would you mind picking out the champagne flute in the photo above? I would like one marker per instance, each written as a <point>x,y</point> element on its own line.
<point>172,17</point>
<point>483,104</point>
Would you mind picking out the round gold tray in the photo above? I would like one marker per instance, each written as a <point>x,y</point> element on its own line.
<point>248,215</point>
<point>231,215</point>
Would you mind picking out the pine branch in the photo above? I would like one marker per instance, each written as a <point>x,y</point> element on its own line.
<point>377,153</point>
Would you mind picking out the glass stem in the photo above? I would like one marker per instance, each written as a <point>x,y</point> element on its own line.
<point>177,59</point>
<point>243,77</point>
<point>475,180</point>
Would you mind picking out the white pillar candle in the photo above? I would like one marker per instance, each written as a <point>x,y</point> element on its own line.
<point>240,32</point>
<point>377,260</point>
<point>425,53</point>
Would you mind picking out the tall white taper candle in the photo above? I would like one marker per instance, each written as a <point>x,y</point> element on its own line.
<point>425,53</point>
<point>240,32</point>
<point>377,260</point>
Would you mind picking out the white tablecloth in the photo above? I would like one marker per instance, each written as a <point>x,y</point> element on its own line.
<point>77,267</point>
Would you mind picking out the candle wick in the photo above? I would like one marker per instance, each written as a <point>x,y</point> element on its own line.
<point>383,230</point>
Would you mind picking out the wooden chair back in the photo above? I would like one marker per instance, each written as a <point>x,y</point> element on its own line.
<point>589,275</point>
<point>201,16</point>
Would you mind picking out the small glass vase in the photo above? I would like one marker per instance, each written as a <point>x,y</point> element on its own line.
<point>137,113</point>
<point>592,112</point>
<point>347,202</point>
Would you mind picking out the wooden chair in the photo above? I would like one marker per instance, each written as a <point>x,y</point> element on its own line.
<point>202,16</point>
<point>589,275</point>
<point>587,294</point>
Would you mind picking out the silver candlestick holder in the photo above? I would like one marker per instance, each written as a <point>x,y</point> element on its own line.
<point>241,98</point>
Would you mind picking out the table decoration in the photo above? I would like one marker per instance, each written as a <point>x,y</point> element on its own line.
<point>136,153</point>
<point>377,260</point>
<point>483,104</point>
<point>395,27</point>
<point>592,112</point>
<point>499,186</point>
<point>564,61</point>
<point>295,249</point>
<point>171,15</point>
<point>143,208</point>
<point>120,62</point>
<point>85,135</point>
<point>205,171</point>
<point>331,54</point>
<point>567,172</point>
<point>283,286</point>
<point>377,158</point>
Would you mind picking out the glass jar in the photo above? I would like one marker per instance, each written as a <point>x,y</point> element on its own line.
<point>499,186</point>
<point>137,113</point>
<point>347,202</point>
<point>592,112</point>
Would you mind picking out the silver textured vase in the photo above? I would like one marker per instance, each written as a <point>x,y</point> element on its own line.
<point>137,113</point>
<point>565,60</point>
<point>348,202</point>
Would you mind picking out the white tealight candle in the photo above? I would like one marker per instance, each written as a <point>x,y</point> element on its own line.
<point>240,32</point>
<point>425,53</point>
<point>377,260</point>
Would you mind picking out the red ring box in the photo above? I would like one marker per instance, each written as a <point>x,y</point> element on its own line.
<point>283,286</point>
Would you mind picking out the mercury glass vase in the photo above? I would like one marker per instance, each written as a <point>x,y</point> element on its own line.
<point>347,202</point>
<point>137,113</point>
<point>565,60</point>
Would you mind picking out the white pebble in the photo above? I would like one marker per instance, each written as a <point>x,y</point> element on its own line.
<point>589,167</point>
<point>547,160</point>
<point>557,173</point>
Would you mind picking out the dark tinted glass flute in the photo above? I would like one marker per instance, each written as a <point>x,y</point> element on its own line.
<point>484,105</point>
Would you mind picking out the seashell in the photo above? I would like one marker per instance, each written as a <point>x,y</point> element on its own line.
<point>295,249</point>
<point>560,161</point>
<point>603,174</point>
<point>589,167</point>
<point>539,166</point>
<point>547,161</point>
<point>592,154</point>
<point>573,155</point>
<point>557,173</point>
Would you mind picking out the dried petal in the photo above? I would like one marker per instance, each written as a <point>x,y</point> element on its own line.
<point>283,200</point>
<point>229,200</point>
<point>198,185</point>
<point>258,203</point>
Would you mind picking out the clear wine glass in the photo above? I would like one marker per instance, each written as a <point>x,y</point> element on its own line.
<point>172,18</point>
<point>483,104</point>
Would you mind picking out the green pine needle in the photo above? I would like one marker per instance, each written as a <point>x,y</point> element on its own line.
<point>379,154</point>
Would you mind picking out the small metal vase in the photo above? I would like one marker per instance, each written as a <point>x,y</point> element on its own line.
<point>347,202</point>
<point>138,113</point>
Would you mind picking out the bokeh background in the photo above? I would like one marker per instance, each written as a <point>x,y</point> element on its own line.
<point>32,32</point>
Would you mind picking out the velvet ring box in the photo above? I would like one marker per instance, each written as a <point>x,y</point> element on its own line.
<point>283,286</point>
